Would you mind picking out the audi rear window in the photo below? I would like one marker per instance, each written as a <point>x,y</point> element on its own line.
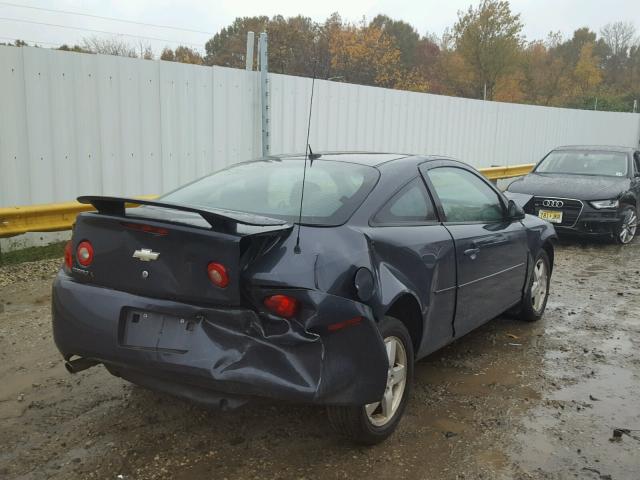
<point>332,192</point>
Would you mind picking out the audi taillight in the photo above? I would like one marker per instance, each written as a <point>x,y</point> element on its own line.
<point>282,305</point>
<point>68,256</point>
<point>84,253</point>
<point>218,274</point>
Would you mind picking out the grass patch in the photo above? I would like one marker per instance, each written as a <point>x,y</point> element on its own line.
<point>32,254</point>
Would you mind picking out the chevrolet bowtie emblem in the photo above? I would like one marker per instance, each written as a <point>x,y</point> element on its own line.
<point>145,255</point>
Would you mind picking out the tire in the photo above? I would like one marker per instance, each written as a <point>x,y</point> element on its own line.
<point>368,424</point>
<point>626,230</point>
<point>535,298</point>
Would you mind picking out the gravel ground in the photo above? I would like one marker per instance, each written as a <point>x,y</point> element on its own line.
<point>29,271</point>
<point>510,400</point>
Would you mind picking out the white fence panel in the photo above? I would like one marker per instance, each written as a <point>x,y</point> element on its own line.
<point>73,124</point>
<point>355,117</point>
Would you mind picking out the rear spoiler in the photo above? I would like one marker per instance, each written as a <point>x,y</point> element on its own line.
<point>219,219</point>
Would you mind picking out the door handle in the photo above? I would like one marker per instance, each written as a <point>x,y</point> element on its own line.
<point>472,253</point>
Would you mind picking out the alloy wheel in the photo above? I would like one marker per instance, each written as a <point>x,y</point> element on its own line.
<point>628,227</point>
<point>380,413</point>
<point>539,287</point>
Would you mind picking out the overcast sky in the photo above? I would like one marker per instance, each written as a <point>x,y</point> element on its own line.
<point>539,16</point>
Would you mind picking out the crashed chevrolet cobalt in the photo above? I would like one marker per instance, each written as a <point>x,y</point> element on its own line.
<point>227,289</point>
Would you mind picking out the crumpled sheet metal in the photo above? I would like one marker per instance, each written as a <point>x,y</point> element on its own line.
<point>235,352</point>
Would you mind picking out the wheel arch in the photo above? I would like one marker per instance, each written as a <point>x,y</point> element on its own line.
<point>549,248</point>
<point>628,199</point>
<point>406,308</point>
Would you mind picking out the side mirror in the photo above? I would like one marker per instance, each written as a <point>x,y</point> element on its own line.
<point>514,211</point>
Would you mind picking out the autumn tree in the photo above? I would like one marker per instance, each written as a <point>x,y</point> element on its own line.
<point>364,54</point>
<point>586,74</point>
<point>182,54</point>
<point>545,71</point>
<point>488,39</point>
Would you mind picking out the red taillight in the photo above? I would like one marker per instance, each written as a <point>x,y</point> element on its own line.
<point>84,253</point>
<point>282,305</point>
<point>218,274</point>
<point>68,256</point>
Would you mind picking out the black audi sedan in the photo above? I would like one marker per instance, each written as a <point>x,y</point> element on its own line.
<point>226,289</point>
<point>586,190</point>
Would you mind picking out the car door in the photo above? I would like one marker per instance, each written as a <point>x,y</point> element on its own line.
<point>491,250</point>
<point>411,249</point>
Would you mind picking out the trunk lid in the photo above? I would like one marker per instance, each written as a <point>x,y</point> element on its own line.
<point>164,252</point>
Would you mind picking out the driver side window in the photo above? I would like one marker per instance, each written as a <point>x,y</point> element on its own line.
<point>465,197</point>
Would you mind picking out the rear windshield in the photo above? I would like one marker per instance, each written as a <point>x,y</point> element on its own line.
<point>612,164</point>
<point>332,192</point>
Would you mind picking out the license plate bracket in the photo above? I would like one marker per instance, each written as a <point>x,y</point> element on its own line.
<point>552,216</point>
<point>157,331</point>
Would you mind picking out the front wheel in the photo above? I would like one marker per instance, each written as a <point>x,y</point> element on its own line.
<point>535,298</point>
<point>626,231</point>
<point>373,423</point>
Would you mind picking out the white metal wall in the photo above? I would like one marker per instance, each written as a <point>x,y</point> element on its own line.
<point>74,124</point>
<point>481,133</point>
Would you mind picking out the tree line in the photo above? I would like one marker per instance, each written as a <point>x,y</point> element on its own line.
<point>483,55</point>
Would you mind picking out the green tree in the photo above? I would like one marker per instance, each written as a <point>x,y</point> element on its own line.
<point>228,47</point>
<point>488,38</point>
<point>405,37</point>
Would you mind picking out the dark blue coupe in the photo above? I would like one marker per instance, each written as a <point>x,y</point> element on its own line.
<point>226,289</point>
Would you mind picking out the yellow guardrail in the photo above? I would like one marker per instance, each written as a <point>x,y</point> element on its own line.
<point>52,217</point>
<point>56,217</point>
<point>497,173</point>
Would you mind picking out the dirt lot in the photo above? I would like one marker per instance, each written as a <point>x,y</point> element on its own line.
<point>510,400</point>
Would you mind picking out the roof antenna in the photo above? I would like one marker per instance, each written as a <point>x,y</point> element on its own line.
<point>313,156</point>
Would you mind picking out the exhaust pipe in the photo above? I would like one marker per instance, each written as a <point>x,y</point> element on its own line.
<point>79,364</point>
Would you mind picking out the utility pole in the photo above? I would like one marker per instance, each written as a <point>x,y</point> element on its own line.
<point>250,43</point>
<point>635,106</point>
<point>484,95</point>
<point>595,105</point>
<point>265,94</point>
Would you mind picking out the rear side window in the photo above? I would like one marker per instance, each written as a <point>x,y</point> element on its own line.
<point>636,160</point>
<point>410,206</point>
<point>465,197</point>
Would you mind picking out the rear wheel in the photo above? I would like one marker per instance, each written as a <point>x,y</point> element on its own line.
<point>535,298</point>
<point>626,231</point>
<point>373,423</point>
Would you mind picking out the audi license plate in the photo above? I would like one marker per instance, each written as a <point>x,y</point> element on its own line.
<point>553,216</point>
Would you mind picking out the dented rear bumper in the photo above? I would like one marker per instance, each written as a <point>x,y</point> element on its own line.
<point>228,354</point>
